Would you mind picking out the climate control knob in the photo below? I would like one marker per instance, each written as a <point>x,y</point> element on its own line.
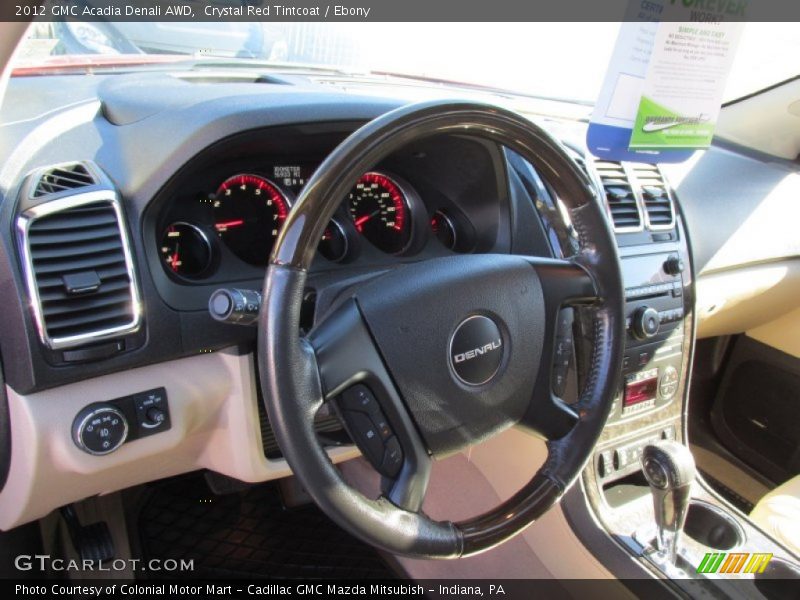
<point>99,429</point>
<point>645,323</point>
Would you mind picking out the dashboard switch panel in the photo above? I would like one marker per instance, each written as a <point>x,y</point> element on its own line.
<point>102,427</point>
<point>99,429</point>
<point>152,412</point>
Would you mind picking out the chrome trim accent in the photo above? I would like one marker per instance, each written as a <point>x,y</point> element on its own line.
<point>24,222</point>
<point>637,190</point>
<point>78,429</point>
<point>451,362</point>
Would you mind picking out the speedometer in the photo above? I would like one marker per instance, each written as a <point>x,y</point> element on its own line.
<point>249,211</point>
<point>380,211</point>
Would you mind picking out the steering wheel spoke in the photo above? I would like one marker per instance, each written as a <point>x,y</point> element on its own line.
<point>564,283</point>
<point>356,382</point>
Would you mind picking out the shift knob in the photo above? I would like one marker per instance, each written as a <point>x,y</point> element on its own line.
<point>669,469</point>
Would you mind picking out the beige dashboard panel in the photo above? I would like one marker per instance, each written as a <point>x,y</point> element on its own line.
<point>738,300</point>
<point>215,426</point>
<point>782,333</point>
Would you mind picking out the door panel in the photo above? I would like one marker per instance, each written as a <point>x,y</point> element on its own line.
<point>756,411</point>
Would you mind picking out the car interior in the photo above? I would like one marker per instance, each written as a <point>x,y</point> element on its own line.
<point>297,323</point>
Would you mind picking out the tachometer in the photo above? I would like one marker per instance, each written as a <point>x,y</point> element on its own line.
<point>249,211</point>
<point>380,210</point>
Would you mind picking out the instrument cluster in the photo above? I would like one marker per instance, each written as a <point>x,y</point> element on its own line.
<point>241,216</point>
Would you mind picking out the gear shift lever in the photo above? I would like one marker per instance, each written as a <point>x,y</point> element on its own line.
<point>669,469</point>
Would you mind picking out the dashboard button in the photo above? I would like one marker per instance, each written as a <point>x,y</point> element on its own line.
<point>99,429</point>
<point>605,463</point>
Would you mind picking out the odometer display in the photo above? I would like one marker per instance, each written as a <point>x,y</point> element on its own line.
<point>379,209</point>
<point>249,212</point>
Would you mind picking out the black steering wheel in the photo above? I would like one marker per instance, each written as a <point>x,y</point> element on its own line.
<point>439,354</point>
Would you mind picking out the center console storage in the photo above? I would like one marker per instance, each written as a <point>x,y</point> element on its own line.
<point>713,527</point>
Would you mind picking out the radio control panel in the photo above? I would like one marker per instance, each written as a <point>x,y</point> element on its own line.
<point>654,310</point>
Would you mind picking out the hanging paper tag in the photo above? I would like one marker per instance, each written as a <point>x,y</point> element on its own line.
<point>682,92</point>
<point>651,107</point>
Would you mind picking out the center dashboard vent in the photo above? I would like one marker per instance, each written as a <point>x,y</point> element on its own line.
<point>658,210</point>
<point>637,196</point>
<point>623,207</point>
<point>79,270</point>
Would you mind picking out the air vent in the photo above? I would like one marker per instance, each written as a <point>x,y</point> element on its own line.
<point>63,178</point>
<point>79,270</point>
<point>658,209</point>
<point>620,197</point>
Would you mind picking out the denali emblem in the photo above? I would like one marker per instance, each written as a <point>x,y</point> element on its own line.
<point>470,354</point>
<point>477,350</point>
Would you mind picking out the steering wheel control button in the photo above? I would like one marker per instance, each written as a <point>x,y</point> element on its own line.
<point>99,429</point>
<point>366,436</point>
<point>382,425</point>
<point>370,430</point>
<point>476,350</point>
<point>359,398</point>
<point>392,459</point>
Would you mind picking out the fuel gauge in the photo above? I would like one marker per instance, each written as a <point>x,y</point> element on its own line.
<point>444,229</point>
<point>334,245</point>
<point>186,250</point>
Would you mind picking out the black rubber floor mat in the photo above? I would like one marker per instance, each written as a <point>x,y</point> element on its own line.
<point>249,535</point>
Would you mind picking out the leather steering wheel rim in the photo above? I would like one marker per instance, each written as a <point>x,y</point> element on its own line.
<point>297,381</point>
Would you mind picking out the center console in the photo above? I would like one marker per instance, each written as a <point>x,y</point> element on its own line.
<point>649,412</point>
<point>655,349</point>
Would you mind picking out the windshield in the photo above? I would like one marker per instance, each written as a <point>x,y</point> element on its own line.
<point>565,61</point>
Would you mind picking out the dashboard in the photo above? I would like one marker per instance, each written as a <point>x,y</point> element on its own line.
<point>126,206</point>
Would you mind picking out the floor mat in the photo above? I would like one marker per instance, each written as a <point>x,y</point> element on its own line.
<point>249,534</point>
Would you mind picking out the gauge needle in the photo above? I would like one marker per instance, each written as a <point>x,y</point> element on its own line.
<point>361,220</point>
<point>175,259</point>
<point>228,224</point>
